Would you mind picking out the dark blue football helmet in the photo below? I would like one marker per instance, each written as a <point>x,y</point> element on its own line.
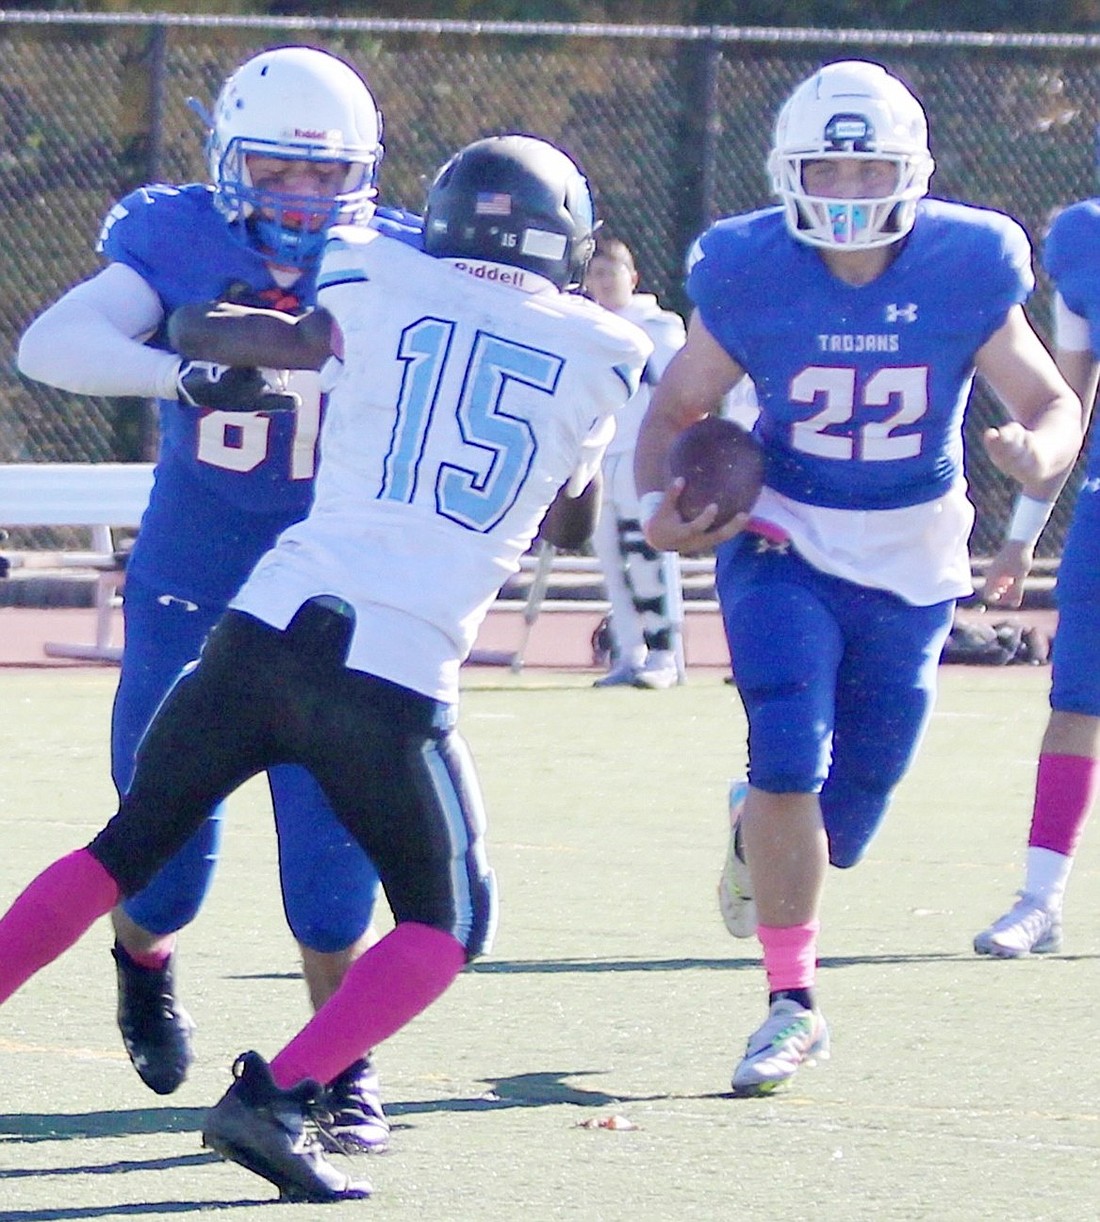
<point>513,199</point>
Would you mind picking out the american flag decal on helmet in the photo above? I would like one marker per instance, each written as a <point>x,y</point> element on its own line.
<point>493,203</point>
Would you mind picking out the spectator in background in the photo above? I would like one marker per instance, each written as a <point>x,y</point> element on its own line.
<point>640,636</point>
<point>640,581</point>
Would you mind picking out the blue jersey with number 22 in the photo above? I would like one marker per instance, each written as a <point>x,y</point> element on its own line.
<point>862,389</point>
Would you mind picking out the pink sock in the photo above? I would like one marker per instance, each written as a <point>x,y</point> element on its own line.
<point>790,955</point>
<point>50,915</point>
<point>384,988</point>
<point>1065,791</point>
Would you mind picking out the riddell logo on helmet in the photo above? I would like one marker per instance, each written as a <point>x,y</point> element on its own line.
<point>848,132</point>
<point>310,133</point>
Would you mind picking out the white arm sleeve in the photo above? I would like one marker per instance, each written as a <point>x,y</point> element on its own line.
<point>1071,331</point>
<point>90,340</point>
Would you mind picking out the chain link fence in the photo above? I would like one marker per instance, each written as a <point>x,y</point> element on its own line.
<point>672,125</point>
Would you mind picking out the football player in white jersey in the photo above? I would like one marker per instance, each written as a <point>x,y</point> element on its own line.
<point>861,310</point>
<point>471,399</point>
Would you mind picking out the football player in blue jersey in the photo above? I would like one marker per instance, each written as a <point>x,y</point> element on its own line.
<point>294,146</point>
<point>861,310</point>
<point>1068,776</point>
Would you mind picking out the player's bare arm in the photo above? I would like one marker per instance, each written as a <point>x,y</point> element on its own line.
<point>1081,369</point>
<point>693,386</point>
<point>1049,421</point>
<point>1009,568</point>
<point>1039,445</point>
<point>231,334</point>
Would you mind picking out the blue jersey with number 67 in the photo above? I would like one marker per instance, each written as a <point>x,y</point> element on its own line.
<point>862,390</point>
<point>226,482</point>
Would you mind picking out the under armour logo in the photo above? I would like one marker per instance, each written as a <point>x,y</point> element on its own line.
<point>1091,485</point>
<point>779,546</point>
<point>902,313</point>
<point>170,600</point>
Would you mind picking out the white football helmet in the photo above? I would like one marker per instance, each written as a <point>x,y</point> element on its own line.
<point>295,103</point>
<point>851,108</point>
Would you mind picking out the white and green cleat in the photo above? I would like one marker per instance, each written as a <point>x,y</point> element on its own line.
<point>789,1038</point>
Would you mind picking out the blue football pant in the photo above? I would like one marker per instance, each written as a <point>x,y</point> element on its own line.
<point>837,680</point>
<point>1075,677</point>
<point>329,885</point>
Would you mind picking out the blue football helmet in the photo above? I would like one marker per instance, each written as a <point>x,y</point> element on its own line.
<point>295,104</point>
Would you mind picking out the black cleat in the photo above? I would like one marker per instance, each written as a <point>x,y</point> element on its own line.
<point>155,1028</point>
<point>359,1125</point>
<point>274,1134</point>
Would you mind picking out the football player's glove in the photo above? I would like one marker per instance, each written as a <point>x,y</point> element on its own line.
<point>230,388</point>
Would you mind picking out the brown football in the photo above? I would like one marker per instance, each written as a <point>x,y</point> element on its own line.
<point>720,464</point>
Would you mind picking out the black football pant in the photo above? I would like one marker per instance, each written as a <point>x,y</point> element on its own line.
<point>393,768</point>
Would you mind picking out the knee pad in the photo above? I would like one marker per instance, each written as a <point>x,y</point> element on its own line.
<point>174,896</point>
<point>329,883</point>
<point>329,900</point>
<point>788,739</point>
<point>852,814</point>
<point>1075,682</point>
<point>324,926</point>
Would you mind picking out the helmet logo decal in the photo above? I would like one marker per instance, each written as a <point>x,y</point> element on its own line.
<point>493,203</point>
<point>543,245</point>
<point>848,133</point>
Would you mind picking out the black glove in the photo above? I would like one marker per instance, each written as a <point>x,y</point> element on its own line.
<point>230,388</point>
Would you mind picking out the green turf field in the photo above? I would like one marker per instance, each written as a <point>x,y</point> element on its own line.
<point>958,1088</point>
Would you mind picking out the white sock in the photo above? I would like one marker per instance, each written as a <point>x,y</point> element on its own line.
<point>1046,876</point>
